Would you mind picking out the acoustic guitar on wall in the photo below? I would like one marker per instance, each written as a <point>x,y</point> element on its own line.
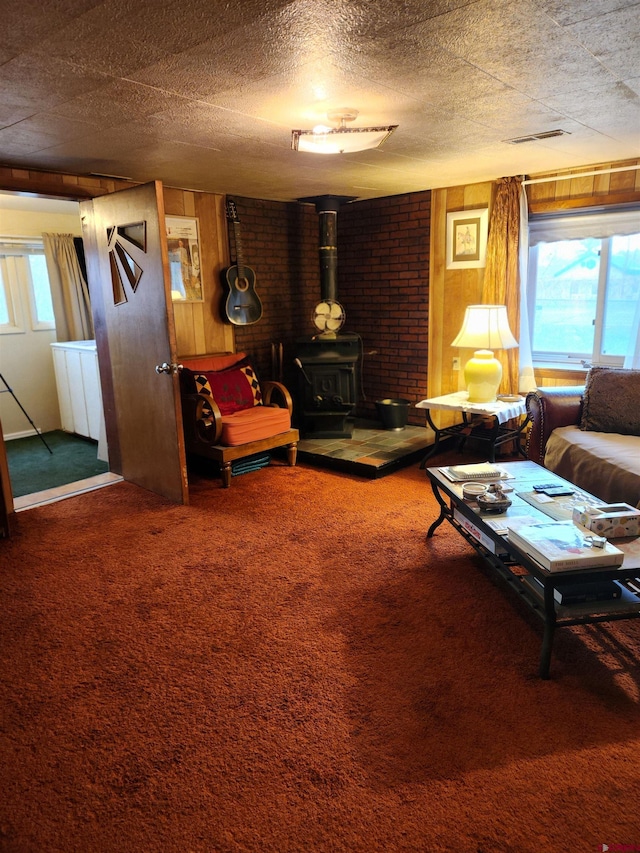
<point>242,305</point>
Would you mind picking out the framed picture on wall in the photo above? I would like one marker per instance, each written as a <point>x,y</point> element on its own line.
<point>183,242</point>
<point>467,238</point>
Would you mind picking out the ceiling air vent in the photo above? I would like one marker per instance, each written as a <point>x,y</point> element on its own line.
<point>547,134</point>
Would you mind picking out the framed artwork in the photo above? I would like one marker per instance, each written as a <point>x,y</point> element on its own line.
<point>183,243</point>
<point>467,238</point>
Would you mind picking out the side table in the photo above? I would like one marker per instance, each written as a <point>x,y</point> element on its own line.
<point>473,424</point>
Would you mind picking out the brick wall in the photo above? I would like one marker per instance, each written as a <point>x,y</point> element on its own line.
<point>383,283</point>
<point>280,244</point>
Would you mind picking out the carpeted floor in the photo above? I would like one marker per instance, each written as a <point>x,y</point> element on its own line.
<point>33,469</point>
<point>288,666</point>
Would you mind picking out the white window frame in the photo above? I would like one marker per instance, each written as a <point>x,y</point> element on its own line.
<point>17,279</point>
<point>561,227</point>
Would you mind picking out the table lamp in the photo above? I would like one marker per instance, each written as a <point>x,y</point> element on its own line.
<point>487,328</point>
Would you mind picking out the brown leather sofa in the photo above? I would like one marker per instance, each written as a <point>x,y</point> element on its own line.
<point>550,408</point>
<point>605,464</point>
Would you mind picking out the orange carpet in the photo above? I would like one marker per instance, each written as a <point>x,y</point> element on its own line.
<point>288,666</point>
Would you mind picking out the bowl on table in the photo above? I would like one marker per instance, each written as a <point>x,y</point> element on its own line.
<point>471,491</point>
<point>492,502</point>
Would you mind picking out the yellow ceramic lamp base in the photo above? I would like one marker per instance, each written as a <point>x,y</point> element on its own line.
<point>482,375</point>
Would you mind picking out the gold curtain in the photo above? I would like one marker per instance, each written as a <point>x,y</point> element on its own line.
<point>501,283</point>
<point>69,290</point>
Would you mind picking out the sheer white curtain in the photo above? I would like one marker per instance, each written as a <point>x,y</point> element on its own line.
<point>527,380</point>
<point>632,357</point>
<point>69,290</point>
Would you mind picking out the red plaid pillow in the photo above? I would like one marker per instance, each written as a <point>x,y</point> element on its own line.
<point>233,389</point>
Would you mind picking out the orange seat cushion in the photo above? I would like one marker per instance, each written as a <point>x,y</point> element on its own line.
<point>253,424</point>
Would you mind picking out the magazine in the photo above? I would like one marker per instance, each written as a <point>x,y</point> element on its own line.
<point>563,546</point>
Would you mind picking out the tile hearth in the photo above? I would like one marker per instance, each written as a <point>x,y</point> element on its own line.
<point>372,451</point>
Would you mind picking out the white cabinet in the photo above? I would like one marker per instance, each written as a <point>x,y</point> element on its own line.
<point>78,382</point>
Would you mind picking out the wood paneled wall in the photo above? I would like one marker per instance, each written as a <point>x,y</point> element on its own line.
<point>450,291</point>
<point>199,325</point>
<point>604,189</point>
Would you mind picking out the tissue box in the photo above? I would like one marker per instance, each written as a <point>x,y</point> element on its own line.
<point>610,520</point>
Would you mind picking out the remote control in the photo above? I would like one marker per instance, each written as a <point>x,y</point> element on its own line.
<point>558,491</point>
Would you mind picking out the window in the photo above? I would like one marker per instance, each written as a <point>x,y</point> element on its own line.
<point>24,283</point>
<point>584,287</point>
<point>5,316</point>
<point>40,292</point>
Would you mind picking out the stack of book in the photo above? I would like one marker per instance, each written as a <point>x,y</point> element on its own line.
<point>561,546</point>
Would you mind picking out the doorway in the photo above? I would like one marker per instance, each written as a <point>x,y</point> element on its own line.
<point>26,362</point>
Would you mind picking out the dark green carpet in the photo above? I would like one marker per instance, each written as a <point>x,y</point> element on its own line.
<point>33,469</point>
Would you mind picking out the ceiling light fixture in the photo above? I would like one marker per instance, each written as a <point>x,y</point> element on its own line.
<point>341,139</point>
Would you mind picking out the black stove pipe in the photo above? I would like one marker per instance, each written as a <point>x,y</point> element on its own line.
<point>327,207</point>
<point>328,222</point>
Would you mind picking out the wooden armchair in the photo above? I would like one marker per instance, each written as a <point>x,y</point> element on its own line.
<point>229,415</point>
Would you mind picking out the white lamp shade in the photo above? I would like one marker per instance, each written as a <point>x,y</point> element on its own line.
<point>485,327</point>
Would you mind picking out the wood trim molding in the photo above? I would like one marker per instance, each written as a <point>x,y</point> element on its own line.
<point>53,189</point>
<point>57,184</point>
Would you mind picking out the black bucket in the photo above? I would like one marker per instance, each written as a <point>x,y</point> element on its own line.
<point>393,413</point>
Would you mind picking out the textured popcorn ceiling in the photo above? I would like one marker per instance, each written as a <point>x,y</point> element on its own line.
<point>203,94</point>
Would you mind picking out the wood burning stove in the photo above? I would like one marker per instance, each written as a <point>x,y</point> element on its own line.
<point>329,361</point>
<point>328,385</point>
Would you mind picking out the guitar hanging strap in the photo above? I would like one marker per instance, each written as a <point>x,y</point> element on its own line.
<point>231,235</point>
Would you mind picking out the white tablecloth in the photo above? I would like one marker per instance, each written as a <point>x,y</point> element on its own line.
<point>459,402</point>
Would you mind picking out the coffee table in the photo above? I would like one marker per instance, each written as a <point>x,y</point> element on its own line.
<point>535,586</point>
